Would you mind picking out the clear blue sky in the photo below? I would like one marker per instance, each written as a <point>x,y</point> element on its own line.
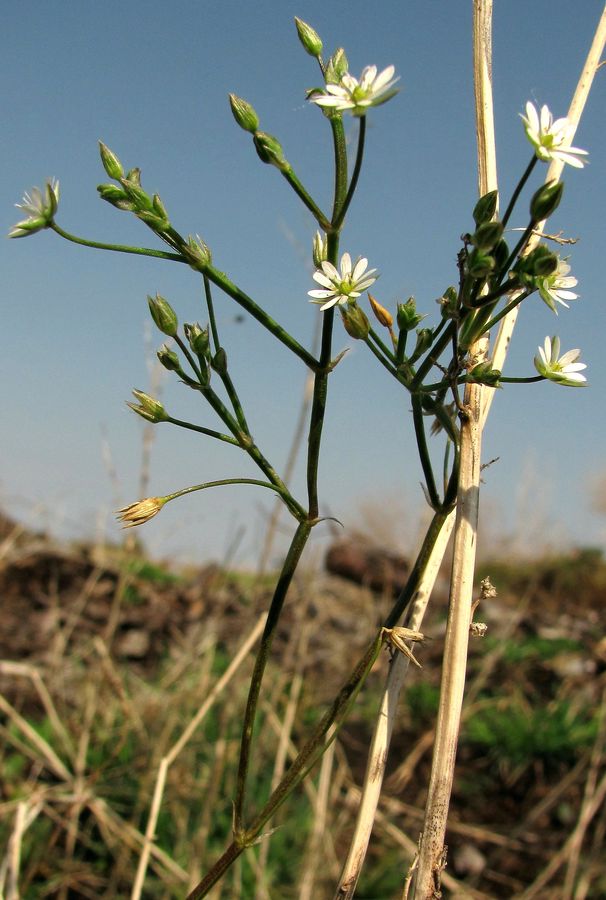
<point>151,79</point>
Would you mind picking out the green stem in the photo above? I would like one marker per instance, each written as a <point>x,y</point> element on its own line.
<point>518,189</point>
<point>247,303</point>
<point>381,358</point>
<point>506,309</point>
<point>340,151</point>
<point>224,376</point>
<point>292,505</point>
<point>338,221</point>
<point>288,570</point>
<point>518,247</point>
<point>388,353</point>
<point>530,380</point>
<point>334,716</point>
<point>306,198</point>
<point>188,356</point>
<point>433,354</point>
<point>419,424</point>
<point>207,431</point>
<point>118,248</point>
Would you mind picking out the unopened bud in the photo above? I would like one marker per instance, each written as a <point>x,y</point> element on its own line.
<point>483,373</point>
<point>169,359</point>
<point>424,339</point>
<point>111,163</point>
<point>308,37</point>
<point>382,315</point>
<point>407,316</point>
<point>163,315</point>
<point>160,209</point>
<point>148,407</point>
<point>137,195</point>
<point>449,301</point>
<point>197,251</point>
<point>319,250</point>
<point>355,321</point>
<point>480,264</point>
<point>115,195</point>
<point>486,207</point>
<point>197,337</point>
<point>134,175</point>
<point>546,200</point>
<point>487,235</point>
<point>336,67</point>
<point>269,150</point>
<point>501,253</point>
<point>244,114</point>
<point>219,362</point>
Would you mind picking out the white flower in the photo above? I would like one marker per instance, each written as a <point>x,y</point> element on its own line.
<point>40,209</point>
<point>551,140</point>
<point>554,288</point>
<point>341,287</point>
<point>354,96</point>
<point>563,370</point>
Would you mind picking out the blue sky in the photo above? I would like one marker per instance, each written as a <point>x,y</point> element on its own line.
<point>151,80</point>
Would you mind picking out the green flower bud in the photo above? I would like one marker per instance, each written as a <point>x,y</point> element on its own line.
<point>546,200</point>
<point>486,207</point>
<point>134,175</point>
<point>308,37</point>
<point>244,114</point>
<point>483,373</point>
<point>407,316</point>
<point>501,253</point>
<point>197,252</point>
<point>424,338</point>
<point>336,67</point>
<point>319,249</point>
<point>487,235</point>
<point>115,195</point>
<point>480,264</point>
<point>355,321</point>
<point>163,315</point>
<point>198,338</point>
<point>137,195</point>
<point>539,263</point>
<point>449,301</point>
<point>111,163</point>
<point>269,150</point>
<point>160,209</point>
<point>148,408</point>
<point>156,223</point>
<point>219,362</point>
<point>169,359</point>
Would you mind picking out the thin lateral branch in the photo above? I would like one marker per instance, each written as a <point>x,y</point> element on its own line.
<point>431,859</point>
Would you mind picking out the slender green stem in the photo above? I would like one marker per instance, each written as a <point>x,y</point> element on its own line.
<point>388,353</point>
<point>223,482</point>
<point>419,424</point>
<point>433,354</point>
<point>188,356</point>
<point>338,221</point>
<point>530,380</point>
<point>207,431</point>
<point>247,303</point>
<point>288,570</point>
<point>381,358</point>
<point>224,376</point>
<point>330,721</point>
<point>306,198</point>
<point>506,309</point>
<point>518,247</point>
<point>118,248</point>
<point>504,288</point>
<point>518,189</point>
<point>340,151</point>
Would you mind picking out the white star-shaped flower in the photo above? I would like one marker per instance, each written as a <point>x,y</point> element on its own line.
<point>351,95</point>
<point>555,288</point>
<point>339,287</point>
<point>40,208</point>
<point>551,140</point>
<point>562,369</point>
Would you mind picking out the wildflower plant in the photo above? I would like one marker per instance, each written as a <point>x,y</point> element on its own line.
<point>437,358</point>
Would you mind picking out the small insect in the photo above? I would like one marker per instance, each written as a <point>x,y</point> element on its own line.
<point>397,636</point>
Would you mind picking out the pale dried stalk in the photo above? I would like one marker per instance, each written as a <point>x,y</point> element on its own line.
<point>47,753</point>
<point>315,842</point>
<point>178,746</point>
<point>431,860</point>
<point>377,758</point>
